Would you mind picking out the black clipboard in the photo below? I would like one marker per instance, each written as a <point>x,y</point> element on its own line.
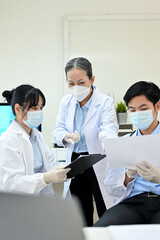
<point>83,163</point>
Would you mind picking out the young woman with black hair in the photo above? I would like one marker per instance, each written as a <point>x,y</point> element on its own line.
<point>85,118</point>
<point>26,162</point>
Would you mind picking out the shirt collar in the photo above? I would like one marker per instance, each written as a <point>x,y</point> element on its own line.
<point>156,131</point>
<point>33,136</point>
<point>21,127</point>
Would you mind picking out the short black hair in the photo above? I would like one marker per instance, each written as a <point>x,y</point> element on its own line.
<point>148,89</point>
<point>81,63</point>
<point>25,96</point>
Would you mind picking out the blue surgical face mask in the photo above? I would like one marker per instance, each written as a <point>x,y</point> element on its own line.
<point>142,119</point>
<point>34,119</point>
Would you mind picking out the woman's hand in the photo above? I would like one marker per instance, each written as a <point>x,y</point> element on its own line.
<point>72,137</point>
<point>56,175</point>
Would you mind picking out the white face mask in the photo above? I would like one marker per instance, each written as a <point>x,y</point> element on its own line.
<point>34,119</point>
<point>79,92</point>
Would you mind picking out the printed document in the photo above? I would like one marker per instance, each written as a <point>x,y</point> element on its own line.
<point>124,152</point>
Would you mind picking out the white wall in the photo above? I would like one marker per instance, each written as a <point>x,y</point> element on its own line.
<point>122,51</point>
<point>31,43</point>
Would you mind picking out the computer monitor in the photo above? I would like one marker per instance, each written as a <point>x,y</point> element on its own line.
<point>6,117</point>
<point>39,218</point>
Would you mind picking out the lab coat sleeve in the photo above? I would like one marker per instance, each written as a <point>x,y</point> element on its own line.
<point>12,170</point>
<point>108,128</point>
<point>114,182</point>
<point>60,129</point>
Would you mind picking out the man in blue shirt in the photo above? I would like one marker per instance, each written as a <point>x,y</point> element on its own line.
<point>138,191</point>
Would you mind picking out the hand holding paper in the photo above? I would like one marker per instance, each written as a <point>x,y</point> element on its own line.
<point>148,171</point>
<point>131,173</point>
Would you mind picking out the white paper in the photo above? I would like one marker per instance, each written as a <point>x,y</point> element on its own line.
<point>123,232</point>
<point>124,152</point>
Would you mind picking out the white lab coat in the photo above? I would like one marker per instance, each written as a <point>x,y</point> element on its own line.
<point>114,182</point>
<point>99,124</point>
<point>16,161</point>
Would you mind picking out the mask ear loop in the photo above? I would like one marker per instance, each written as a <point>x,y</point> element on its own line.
<point>23,110</point>
<point>155,111</point>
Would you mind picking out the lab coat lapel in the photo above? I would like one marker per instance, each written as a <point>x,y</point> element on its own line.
<point>25,147</point>
<point>28,153</point>
<point>93,107</point>
<point>71,113</point>
<point>41,147</point>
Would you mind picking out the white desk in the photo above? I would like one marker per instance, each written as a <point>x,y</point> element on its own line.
<point>92,233</point>
<point>59,154</point>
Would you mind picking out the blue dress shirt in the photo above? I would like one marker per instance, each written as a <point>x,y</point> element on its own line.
<point>37,156</point>
<point>79,120</point>
<point>39,164</point>
<point>140,184</point>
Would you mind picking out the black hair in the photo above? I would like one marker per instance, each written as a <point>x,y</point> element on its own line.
<point>148,89</point>
<point>81,63</point>
<point>25,96</point>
